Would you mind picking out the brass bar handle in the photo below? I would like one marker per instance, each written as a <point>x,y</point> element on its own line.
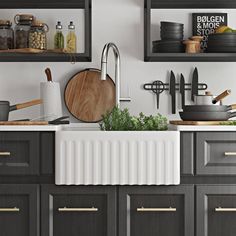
<point>230,154</point>
<point>144,209</point>
<point>13,209</point>
<point>221,209</point>
<point>5,153</point>
<point>67,209</point>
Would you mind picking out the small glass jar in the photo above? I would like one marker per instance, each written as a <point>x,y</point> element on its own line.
<point>38,35</point>
<point>22,28</point>
<point>6,35</point>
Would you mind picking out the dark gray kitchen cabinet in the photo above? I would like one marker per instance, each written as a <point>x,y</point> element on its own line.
<point>216,210</point>
<point>78,210</point>
<point>157,210</point>
<point>187,153</point>
<point>19,213</point>
<point>19,153</point>
<point>216,153</point>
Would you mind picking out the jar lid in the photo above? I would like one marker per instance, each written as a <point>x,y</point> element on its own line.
<point>5,23</point>
<point>40,24</point>
<point>37,23</point>
<point>23,17</point>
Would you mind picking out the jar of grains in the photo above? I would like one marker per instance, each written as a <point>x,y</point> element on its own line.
<point>22,28</point>
<point>38,35</point>
<point>6,35</point>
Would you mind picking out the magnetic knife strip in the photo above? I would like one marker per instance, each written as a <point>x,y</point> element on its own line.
<point>158,87</point>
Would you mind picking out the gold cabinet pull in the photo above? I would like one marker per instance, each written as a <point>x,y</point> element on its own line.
<point>230,154</point>
<point>221,209</point>
<point>5,154</point>
<point>144,209</point>
<point>67,209</point>
<point>13,209</point>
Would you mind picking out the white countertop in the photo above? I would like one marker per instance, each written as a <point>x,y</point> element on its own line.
<point>202,127</point>
<point>82,126</point>
<point>29,127</point>
<point>95,126</point>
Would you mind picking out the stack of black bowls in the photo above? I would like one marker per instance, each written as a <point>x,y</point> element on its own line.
<point>221,42</point>
<point>172,35</point>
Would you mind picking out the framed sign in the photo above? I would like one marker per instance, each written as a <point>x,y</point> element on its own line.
<point>205,24</point>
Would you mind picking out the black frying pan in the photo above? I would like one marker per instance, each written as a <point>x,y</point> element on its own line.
<point>209,108</point>
<point>206,116</point>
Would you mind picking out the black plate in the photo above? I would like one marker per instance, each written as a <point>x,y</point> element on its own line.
<point>167,42</point>
<point>221,44</point>
<point>159,50</point>
<point>172,24</point>
<point>221,49</point>
<point>226,36</point>
<point>173,30</point>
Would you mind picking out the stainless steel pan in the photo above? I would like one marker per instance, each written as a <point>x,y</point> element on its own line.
<point>207,116</point>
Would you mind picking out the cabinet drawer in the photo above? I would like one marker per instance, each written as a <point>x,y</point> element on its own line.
<point>152,210</point>
<point>18,210</point>
<point>77,211</point>
<point>216,210</point>
<point>19,153</point>
<point>216,153</point>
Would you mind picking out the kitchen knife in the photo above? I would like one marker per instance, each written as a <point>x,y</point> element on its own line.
<point>194,90</point>
<point>181,90</point>
<point>172,92</point>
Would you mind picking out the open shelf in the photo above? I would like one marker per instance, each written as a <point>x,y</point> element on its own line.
<point>182,57</point>
<point>86,5</point>
<point>44,57</point>
<point>186,57</point>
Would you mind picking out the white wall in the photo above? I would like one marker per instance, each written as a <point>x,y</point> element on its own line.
<point>120,21</point>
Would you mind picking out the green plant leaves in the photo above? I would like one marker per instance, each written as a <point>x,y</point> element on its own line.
<point>121,120</point>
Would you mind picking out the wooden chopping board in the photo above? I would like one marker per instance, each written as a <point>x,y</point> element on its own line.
<point>23,123</point>
<point>87,97</point>
<point>181,122</point>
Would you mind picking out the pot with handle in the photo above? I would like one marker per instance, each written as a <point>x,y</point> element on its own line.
<point>206,116</point>
<point>209,108</point>
<point>209,99</point>
<point>5,107</point>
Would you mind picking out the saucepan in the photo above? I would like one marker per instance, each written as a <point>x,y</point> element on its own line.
<point>207,116</point>
<point>5,107</point>
<point>209,99</point>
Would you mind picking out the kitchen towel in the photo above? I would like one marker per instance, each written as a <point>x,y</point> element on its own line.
<point>52,105</point>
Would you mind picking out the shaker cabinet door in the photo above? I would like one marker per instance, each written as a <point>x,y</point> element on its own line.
<point>216,153</point>
<point>19,153</point>
<point>156,211</point>
<point>78,211</point>
<point>19,210</point>
<point>216,210</point>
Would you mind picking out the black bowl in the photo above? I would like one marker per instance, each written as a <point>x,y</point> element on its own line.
<point>171,24</point>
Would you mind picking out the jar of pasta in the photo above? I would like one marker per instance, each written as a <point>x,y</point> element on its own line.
<point>6,35</point>
<point>38,35</point>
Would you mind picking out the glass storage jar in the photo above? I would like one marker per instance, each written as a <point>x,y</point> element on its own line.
<point>6,35</point>
<point>22,28</point>
<point>38,35</point>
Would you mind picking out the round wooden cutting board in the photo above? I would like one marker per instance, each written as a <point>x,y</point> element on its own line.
<point>87,97</point>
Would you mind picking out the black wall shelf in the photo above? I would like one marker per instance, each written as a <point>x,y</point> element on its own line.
<point>182,4</point>
<point>52,4</point>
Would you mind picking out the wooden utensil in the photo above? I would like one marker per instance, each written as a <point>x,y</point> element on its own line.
<point>181,122</point>
<point>221,96</point>
<point>87,97</point>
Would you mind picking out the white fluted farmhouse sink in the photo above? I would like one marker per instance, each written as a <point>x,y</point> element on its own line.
<point>87,156</point>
